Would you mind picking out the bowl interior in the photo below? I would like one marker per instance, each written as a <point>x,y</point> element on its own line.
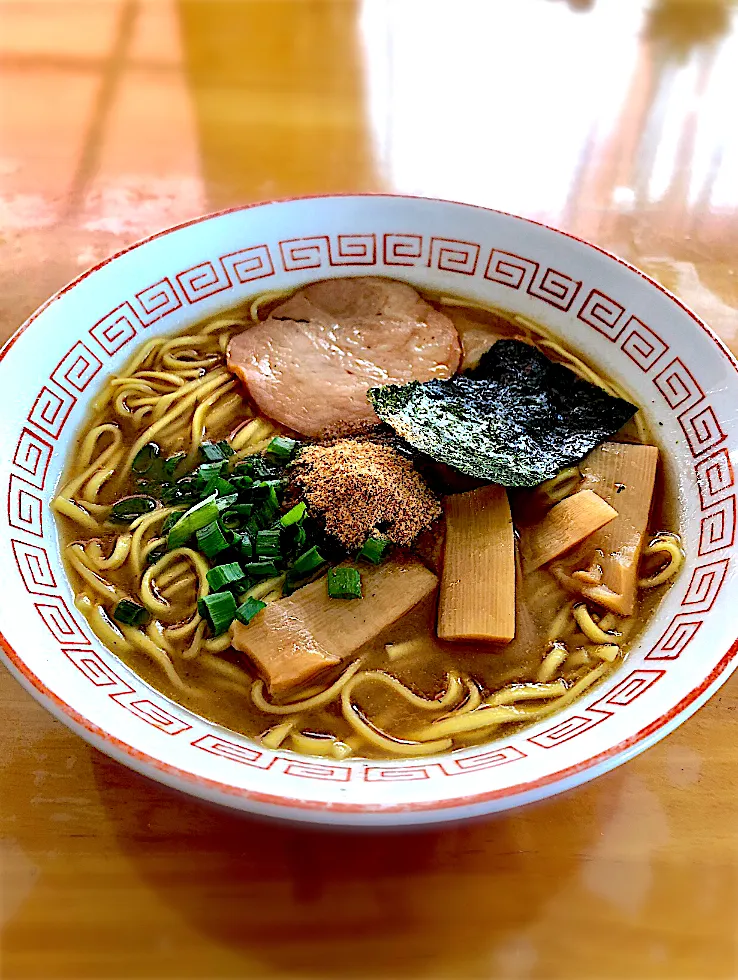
<point>632,329</point>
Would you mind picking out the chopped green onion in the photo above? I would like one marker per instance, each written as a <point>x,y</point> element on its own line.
<point>268,544</point>
<point>258,467</point>
<point>224,487</point>
<point>130,613</point>
<point>307,563</point>
<point>171,520</point>
<point>281,447</point>
<point>243,545</point>
<point>222,576</point>
<point>230,520</point>
<point>247,610</point>
<point>226,448</point>
<point>213,452</point>
<point>170,464</point>
<point>145,458</point>
<point>155,554</point>
<point>262,488</point>
<point>269,507</point>
<point>300,537</point>
<point>128,509</point>
<point>219,610</point>
<point>344,583</point>
<point>185,489</point>
<point>294,515</point>
<point>261,569</point>
<point>252,528</point>
<point>217,484</point>
<point>211,540</point>
<point>210,470</point>
<point>225,503</point>
<point>243,510</point>
<point>192,520</point>
<point>375,550</point>
<point>241,483</point>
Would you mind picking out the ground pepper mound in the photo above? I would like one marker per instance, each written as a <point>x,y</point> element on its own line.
<point>359,488</point>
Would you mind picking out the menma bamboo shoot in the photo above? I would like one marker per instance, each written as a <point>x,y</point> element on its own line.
<point>477,597</point>
<point>565,526</point>
<point>605,568</point>
<point>300,636</point>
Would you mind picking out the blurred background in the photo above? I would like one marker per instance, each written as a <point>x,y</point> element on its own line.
<point>609,118</point>
<point>613,119</point>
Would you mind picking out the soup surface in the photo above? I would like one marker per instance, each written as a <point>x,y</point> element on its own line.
<point>292,580</point>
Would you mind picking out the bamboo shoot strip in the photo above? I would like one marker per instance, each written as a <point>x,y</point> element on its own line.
<point>297,637</point>
<point>477,600</point>
<point>566,525</point>
<point>605,568</point>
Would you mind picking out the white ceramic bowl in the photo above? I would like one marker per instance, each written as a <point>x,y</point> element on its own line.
<point>644,337</point>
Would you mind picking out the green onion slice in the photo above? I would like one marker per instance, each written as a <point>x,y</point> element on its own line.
<point>268,544</point>
<point>261,569</point>
<point>223,576</point>
<point>294,515</point>
<point>186,488</point>
<point>128,509</point>
<point>213,452</point>
<point>307,563</point>
<point>145,458</point>
<point>375,550</point>
<point>200,515</point>
<point>171,520</point>
<point>248,609</point>
<point>281,447</point>
<point>243,545</point>
<point>211,540</point>
<point>241,483</point>
<point>170,464</point>
<point>344,583</point>
<point>218,610</point>
<point>209,470</point>
<point>130,613</point>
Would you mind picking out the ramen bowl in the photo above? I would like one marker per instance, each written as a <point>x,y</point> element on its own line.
<point>624,322</point>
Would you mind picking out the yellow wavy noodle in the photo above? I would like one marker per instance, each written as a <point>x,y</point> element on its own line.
<point>398,746</point>
<point>273,737</point>
<point>488,716</point>
<point>552,662</point>
<point>327,745</point>
<point>141,528</point>
<point>592,630</point>
<point>663,544</point>
<point>473,700</point>
<point>527,692</point>
<point>266,299</point>
<point>306,704</point>
<point>118,556</point>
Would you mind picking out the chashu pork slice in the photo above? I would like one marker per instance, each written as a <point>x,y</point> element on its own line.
<point>309,364</point>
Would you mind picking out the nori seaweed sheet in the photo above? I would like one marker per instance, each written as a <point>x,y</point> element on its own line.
<point>517,419</point>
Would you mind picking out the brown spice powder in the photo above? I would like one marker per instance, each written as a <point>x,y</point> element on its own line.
<point>361,488</point>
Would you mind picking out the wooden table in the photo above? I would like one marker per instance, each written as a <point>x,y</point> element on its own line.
<point>614,119</point>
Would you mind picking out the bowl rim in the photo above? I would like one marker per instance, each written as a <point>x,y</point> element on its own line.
<point>295,808</point>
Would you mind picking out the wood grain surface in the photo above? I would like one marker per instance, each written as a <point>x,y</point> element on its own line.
<point>614,119</point>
